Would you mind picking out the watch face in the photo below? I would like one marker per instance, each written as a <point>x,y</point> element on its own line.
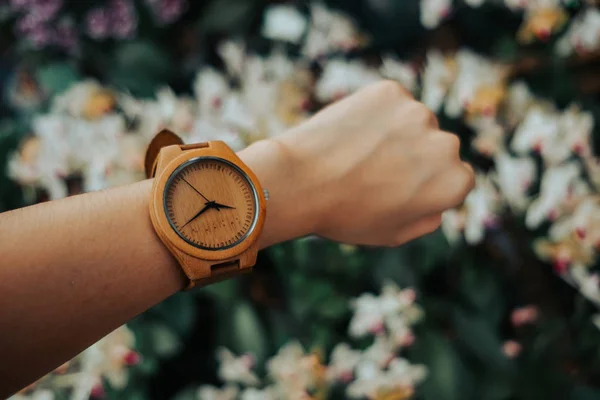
<point>210,203</point>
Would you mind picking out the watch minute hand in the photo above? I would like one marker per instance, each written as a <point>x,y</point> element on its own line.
<point>196,190</point>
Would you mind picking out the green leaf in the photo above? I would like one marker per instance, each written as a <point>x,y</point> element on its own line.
<point>585,393</point>
<point>446,379</point>
<point>57,77</point>
<point>248,332</point>
<point>139,67</point>
<point>480,340</point>
<point>225,292</point>
<point>228,16</point>
<point>178,312</point>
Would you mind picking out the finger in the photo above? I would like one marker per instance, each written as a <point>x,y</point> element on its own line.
<point>449,188</point>
<point>419,228</point>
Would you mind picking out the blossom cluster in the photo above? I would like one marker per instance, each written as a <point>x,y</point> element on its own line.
<point>514,129</point>
<point>541,20</point>
<point>44,23</point>
<point>375,372</point>
<point>100,134</point>
<point>109,359</point>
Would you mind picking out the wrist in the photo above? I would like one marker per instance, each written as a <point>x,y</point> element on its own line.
<point>290,206</point>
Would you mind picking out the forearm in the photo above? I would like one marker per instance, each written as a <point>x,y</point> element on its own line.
<point>75,269</point>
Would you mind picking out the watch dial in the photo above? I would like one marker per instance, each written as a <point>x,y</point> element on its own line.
<point>210,203</point>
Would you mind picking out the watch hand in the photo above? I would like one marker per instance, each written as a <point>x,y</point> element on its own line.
<point>218,206</point>
<point>208,206</point>
<point>195,190</point>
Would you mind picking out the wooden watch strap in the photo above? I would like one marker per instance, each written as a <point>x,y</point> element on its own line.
<point>162,139</point>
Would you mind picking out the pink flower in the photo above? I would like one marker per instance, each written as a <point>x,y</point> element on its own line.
<point>524,315</point>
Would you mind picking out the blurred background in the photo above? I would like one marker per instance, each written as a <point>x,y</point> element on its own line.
<point>501,303</point>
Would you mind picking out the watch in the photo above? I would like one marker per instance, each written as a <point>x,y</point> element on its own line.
<point>207,207</point>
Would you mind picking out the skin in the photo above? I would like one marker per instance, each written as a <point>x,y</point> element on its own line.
<point>372,169</point>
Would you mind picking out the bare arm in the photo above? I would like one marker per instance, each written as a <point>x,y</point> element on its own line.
<point>75,269</point>
<point>373,169</point>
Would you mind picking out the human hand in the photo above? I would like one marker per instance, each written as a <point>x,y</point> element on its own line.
<point>374,168</point>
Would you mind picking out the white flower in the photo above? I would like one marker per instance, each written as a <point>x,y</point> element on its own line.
<point>518,100</point>
<point>211,90</point>
<point>514,177</point>
<point>41,394</point>
<point>576,129</point>
<point>284,23</point>
<point>475,3</point>
<point>475,73</point>
<point>539,131</point>
<point>516,4</point>
<point>490,135</point>
<point>584,222</point>
<point>234,369</point>
<point>368,315</point>
<point>381,351</point>
<point>329,31</point>
<point>399,71</point>
<point>287,362</point>
<point>434,11</point>
<point>587,283</point>
<point>369,378</point>
<point>233,53</point>
<point>554,189</point>
<point>256,394</point>
<point>341,77</point>
<point>583,34</point>
<point>453,223</point>
<point>74,100</point>
<point>212,393</point>
<point>206,130</point>
<point>401,372</point>
<point>343,361</point>
<point>480,205</point>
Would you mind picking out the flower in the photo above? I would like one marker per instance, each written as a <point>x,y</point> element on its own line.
<point>438,76</point>
<point>284,23</point>
<point>511,349</point>
<point>583,35</point>
<point>403,73</point>
<point>478,87</point>
<point>554,190</point>
<point>514,177</point>
<point>207,392</point>
<point>341,78</point>
<point>524,315</point>
<point>434,11</point>
<point>329,31</point>
<point>542,19</point>
<point>268,393</point>
<point>539,132</point>
<point>236,369</point>
<point>490,136</point>
<point>343,361</point>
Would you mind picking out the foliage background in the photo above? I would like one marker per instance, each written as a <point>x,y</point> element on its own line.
<point>468,292</point>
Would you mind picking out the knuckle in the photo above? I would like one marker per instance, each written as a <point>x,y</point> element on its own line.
<point>465,181</point>
<point>451,144</point>
<point>392,89</point>
<point>425,115</point>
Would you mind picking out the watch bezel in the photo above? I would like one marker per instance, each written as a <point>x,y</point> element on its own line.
<point>161,221</point>
<point>199,159</point>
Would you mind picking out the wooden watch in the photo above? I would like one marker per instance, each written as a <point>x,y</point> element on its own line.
<point>207,207</point>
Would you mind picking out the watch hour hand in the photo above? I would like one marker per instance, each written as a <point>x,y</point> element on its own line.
<point>219,206</point>
<point>208,206</point>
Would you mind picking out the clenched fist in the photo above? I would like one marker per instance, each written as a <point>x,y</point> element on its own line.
<point>372,169</point>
